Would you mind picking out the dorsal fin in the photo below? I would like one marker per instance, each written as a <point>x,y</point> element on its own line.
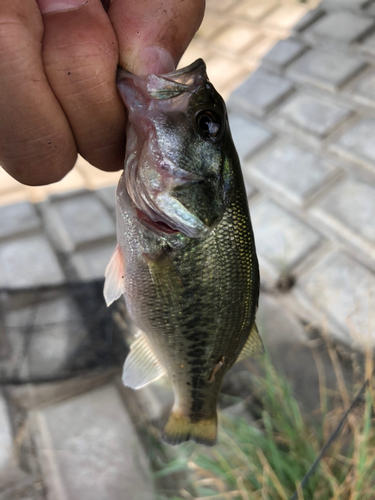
<point>253,345</point>
<point>141,366</point>
<point>114,277</point>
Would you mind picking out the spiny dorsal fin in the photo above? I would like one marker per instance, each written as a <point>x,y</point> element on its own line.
<point>114,277</point>
<point>253,346</point>
<point>141,366</point>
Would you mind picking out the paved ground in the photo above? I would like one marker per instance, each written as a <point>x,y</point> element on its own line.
<point>304,127</point>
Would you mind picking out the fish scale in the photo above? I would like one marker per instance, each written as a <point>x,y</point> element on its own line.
<point>190,278</point>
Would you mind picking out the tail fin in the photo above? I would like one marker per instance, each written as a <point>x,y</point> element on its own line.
<point>180,428</point>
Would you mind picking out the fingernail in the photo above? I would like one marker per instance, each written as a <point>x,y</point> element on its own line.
<point>47,6</point>
<point>154,60</point>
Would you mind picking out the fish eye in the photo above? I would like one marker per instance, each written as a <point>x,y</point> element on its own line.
<point>208,123</point>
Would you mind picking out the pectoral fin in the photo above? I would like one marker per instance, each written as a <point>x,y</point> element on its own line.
<point>253,346</point>
<point>114,277</point>
<point>141,366</point>
<point>164,274</point>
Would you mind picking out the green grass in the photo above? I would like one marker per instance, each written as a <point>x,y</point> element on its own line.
<point>268,461</point>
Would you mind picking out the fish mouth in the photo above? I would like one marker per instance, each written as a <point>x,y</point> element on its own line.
<point>159,226</point>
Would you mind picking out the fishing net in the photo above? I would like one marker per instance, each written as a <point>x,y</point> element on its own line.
<point>57,332</point>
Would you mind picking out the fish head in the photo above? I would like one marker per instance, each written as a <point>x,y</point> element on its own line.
<point>179,150</point>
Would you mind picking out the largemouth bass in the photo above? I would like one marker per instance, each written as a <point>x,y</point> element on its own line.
<point>185,259</point>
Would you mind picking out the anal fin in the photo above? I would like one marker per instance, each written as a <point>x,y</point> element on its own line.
<point>141,365</point>
<point>253,346</point>
<point>114,277</point>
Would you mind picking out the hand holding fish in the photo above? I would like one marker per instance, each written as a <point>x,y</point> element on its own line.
<point>58,63</point>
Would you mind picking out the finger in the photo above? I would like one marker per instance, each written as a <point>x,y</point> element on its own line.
<point>153,35</point>
<point>80,57</point>
<point>36,144</point>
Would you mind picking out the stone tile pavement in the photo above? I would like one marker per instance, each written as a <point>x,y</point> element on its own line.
<point>311,176</point>
<point>304,128</point>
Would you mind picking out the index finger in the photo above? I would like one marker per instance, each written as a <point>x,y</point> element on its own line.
<point>153,35</point>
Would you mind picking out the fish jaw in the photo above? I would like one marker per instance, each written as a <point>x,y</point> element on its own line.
<point>150,179</point>
<point>159,175</point>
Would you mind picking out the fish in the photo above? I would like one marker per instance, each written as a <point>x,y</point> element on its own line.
<point>185,260</point>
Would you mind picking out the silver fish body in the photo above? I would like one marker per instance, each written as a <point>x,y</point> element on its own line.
<point>186,260</point>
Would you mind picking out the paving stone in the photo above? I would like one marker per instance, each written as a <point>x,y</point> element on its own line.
<point>313,114</point>
<point>25,492</point>
<point>344,4</point>
<point>358,142</point>
<point>223,71</point>
<point>343,289</point>
<point>349,208</point>
<point>261,92</point>
<point>210,26</point>
<point>73,181</point>
<point>4,341</point>
<point>342,26</point>
<point>285,340</point>
<point>281,239</point>
<point>291,170</point>
<point>370,10</point>
<point>54,333</point>
<point>94,177</point>
<point>6,439</point>
<point>284,52</point>
<point>91,436</point>
<point>369,45</point>
<point>108,196</point>
<point>236,38</point>
<point>364,89</point>
<point>8,183</point>
<point>257,51</point>
<point>285,16</point>
<point>28,262</point>
<point>254,10</point>
<point>310,17</point>
<point>90,263</point>
<point>78,220</point>
<point>18,218</point>
<point>220,5</point>
<point>156,400</point>
<point>250,190</point>
<point>326,69</point>
<point>248,135</point>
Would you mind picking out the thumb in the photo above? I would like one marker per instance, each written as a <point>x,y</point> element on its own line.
<point>153,34</point>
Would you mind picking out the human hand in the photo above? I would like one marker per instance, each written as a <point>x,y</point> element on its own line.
<point>58,61</point>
